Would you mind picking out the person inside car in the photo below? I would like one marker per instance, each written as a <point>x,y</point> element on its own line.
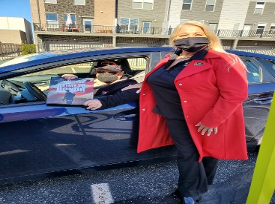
<point>110,81</point>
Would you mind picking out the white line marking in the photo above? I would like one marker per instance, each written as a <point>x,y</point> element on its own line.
<point>101,193</point>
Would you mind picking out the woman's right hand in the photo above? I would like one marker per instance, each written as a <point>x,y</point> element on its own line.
<point>69,76</point>
<point>204,129</point>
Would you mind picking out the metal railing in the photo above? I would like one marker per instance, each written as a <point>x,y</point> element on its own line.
<point>100,29</point>
<point>144,30</point>
<point>9,50</point>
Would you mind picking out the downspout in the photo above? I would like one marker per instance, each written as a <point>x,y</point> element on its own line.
<point>116,23</point>
<point>38,12</point>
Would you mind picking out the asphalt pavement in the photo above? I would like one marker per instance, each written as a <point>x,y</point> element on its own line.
<point>141,184</point>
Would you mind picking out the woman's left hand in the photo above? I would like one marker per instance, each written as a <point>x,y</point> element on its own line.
<point>203,129</point>
<point>93,104</point>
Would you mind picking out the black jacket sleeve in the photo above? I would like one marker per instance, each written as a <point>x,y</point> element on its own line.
<point>119,98</point>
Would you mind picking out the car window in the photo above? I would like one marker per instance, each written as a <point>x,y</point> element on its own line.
<point>74,68</point>
<point>255,73</point>
<point>41,79</point>
<point>138,67</point>
<point>269,65</point>
<point>133,67</point>
<point>137,64</point>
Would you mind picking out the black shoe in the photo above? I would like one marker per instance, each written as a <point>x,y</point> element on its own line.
<point>177,194</point>
<point>198,199</point>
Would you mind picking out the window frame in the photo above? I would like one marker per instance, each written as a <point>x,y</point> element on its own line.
<point>50,1</point>
<point>260,30</point>
<point>129,23</point>
<point>71,14</point>
<point>259,6</point>
<point>52,13</point>
<point>190,4</point>
<point>272,27</point>
<point>149,28</point>
<point>214,5</point>
<point>142,4</point>
<point>52,23</point>
<point>213,26</point>
<point>81,4</point>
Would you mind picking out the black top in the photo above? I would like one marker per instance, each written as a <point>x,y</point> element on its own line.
<point>164,90</point>
<point>111,95</point>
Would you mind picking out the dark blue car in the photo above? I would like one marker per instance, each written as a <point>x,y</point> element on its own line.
<point>41,139</point>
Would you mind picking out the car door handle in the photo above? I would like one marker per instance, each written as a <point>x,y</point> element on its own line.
<point>263,100</point>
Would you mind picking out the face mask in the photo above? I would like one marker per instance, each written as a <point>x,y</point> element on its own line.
<point>191,44</point>
<point>107,77</point>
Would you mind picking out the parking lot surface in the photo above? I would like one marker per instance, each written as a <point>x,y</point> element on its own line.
<point>141,183</point>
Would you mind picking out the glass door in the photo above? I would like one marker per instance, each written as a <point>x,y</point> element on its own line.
<point>87,25</point>
<point>146,27</point>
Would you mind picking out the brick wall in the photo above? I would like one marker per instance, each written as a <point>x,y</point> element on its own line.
<point>66,6</point>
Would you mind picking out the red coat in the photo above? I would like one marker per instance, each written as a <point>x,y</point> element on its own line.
<point>211,91</point>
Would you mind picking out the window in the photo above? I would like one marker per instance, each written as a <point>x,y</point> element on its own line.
<point>272,29</point>
<point>51,1</point>
<point>255,72</point>
<point>260,28</point>
<point>213,26</point>
<point>146,27</point>
<point>246,30</point>
<point>272,26</point>
<point>210,5</point>
<point>259,8</point>
<point>71,21</point>
<point>87,25</point>
<point>79,2</point>
<point>269,65</point>
<point>52,20</point>
<point>51,16</point>
<point>143,4</point>
<point>186,4</point>
<point>129,24</point>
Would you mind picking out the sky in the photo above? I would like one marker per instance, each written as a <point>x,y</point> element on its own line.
<point>16,8</point>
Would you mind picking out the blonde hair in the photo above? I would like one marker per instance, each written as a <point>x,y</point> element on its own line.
<point>215,42</point>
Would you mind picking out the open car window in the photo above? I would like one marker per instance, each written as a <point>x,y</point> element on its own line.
<point>14,89</point>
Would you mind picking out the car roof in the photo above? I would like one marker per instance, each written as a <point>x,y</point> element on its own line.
<point>251,54</point>
<point>21,63</point>
<point>26,58</point>
<point>57,57</point>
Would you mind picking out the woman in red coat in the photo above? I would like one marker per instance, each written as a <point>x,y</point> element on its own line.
<point>194,100</point>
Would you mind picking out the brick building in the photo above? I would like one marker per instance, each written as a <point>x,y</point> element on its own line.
<point>63,24</point>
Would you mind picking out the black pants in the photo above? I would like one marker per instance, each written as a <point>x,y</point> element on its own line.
<point>194,176</point>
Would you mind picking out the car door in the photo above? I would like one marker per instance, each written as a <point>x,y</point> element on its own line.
<point>256,107</point>
<point>38,138</point>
